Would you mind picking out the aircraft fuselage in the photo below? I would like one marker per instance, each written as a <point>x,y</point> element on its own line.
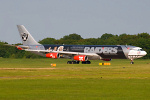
<point>103,51</point>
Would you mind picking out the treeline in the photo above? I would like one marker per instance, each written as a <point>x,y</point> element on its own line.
<point>141,40</point>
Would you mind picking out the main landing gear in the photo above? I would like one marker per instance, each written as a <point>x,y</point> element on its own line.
<point>73,62</point>
<point>77,62</point>
<point>86,62</point>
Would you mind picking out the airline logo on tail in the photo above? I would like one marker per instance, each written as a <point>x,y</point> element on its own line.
<point>24,36</point>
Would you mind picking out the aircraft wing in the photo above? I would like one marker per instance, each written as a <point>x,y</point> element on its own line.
<point>63,52</point>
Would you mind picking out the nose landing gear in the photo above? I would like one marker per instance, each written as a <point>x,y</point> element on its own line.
<point>131,61</point>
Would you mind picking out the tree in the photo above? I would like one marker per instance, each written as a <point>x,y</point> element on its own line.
<point>48,41</point>
<point>106,36</point>
<point>143,35</point>
<point>73,36</point>
<point>125,39</point>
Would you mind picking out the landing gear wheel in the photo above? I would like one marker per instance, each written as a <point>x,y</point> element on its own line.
<point>86,62</point>
<point>131,62</point>
<point>73,62</point>
<point>77,62</point>
<point>83,62</point>
<point>69,62</point>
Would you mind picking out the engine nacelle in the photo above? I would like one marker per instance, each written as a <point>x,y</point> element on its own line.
<point>81,58</point>
<point>19,48</point>
<point>53,55</point>
<point>106,59</point>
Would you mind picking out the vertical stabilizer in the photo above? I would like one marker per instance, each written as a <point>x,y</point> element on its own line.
<point>26,37</point>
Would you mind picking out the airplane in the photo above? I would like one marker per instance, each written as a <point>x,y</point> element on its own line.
<point>77,53</point>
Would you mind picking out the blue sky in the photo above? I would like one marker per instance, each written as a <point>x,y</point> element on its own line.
<point>88,18</point>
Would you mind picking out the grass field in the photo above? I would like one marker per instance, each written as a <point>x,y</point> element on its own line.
<point>35,79</point>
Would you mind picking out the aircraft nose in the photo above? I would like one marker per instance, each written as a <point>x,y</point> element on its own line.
<point>144,53</point>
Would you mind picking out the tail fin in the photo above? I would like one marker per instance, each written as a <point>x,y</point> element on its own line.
<point>26,37</point>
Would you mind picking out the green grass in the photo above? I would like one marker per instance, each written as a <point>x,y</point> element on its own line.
<point>119,81</point>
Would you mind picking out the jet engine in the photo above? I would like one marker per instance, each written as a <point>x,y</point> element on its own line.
<point>53,55</point>
<point>19,48</point>
<point>81,58</point>
<point>106,59</point>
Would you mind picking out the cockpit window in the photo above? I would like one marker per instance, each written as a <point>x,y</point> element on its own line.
<point>140,50</point>
<point>137,49</point>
